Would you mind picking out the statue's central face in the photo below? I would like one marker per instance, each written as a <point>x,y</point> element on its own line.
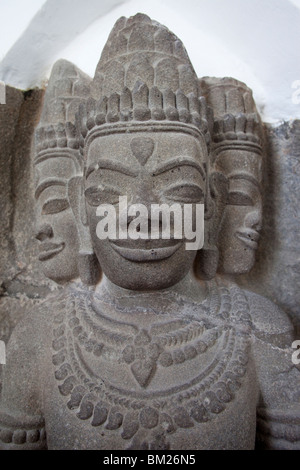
<point>148,168</point>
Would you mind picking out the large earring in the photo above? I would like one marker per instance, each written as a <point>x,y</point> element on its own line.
<point>206,262</point>
<point>88,267</point>
<point>207,259</point>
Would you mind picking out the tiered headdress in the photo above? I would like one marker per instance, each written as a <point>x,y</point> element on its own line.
<point>56,130</point>
<point>237,124</point>
<point>144,81</point>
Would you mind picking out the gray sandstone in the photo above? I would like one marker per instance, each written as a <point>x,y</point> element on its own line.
<point>143,344</point>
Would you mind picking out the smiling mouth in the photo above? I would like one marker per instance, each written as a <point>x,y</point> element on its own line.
<point>145,254</point>
<point>249,237</point>
<point>49,250</point>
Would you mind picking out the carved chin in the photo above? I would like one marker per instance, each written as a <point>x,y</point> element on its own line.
<point>144,269</point>
<point>58,266</point>
<point>239,260</point>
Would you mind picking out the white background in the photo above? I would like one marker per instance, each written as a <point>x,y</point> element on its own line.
<point>256,41</point>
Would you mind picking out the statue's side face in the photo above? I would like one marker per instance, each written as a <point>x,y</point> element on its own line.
<point>148,168</point>
<point>239,233</point>
<point>55,224</point>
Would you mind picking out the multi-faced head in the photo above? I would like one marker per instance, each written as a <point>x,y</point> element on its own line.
<point>143,131</point>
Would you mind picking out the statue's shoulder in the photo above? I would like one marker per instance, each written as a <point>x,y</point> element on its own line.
<point>37,323</point>
<point>269,322</point>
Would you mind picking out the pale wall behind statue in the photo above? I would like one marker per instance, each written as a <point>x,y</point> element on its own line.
<point>254,41</point>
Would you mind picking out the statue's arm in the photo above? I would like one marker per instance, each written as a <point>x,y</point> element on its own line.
<point>21,416</point>
<point>278,412</point>
<point>278,429</point>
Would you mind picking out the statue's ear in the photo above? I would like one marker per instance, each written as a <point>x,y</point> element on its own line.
<point>207,259</point>
<point>75,196</point>
<point>77,203</point>
<point>88,264</point>
<point>218,184</point>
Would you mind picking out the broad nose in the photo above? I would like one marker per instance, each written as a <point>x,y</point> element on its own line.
<point>43,232</point>
<point>144,194</point>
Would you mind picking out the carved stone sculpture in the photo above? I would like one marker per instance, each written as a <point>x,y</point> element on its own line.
<point>237,153</point>
<point>65,242</point>
<point>156,357</point>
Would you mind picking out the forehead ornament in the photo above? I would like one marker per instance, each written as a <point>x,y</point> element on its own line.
<point>142,148</point>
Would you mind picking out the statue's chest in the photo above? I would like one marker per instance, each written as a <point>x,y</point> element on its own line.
<point>168,384</point>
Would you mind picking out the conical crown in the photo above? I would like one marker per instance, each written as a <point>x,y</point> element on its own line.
<point>144,74</point>
<point>66,88</point>
<point>236,120</point>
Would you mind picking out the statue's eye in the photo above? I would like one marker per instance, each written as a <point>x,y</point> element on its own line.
<point>54,206</point>
<point>93,196</point>
<point>237,198</point>
<point>96,196</point>
<point>186,193</point>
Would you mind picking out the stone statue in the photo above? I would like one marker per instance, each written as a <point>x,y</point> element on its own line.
<point>237,154</point>
<point>156,357</point>
<point>65,250</point>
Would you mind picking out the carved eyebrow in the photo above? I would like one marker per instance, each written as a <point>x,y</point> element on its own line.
<point>111,165</point>
<point>179,161</point>
<point>244,176</point>
<point>182,184</point>
<point>47,183</point>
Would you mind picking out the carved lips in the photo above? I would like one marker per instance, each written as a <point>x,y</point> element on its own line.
<point>48,250</point>
<point>143,254</point>
<point>249,237</point>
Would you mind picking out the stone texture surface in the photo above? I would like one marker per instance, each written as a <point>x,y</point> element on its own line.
<point>276,271</point>
<point>152,357</point>
<point>21,281</point>
<point>18,250</point>
<point>9,121</point>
